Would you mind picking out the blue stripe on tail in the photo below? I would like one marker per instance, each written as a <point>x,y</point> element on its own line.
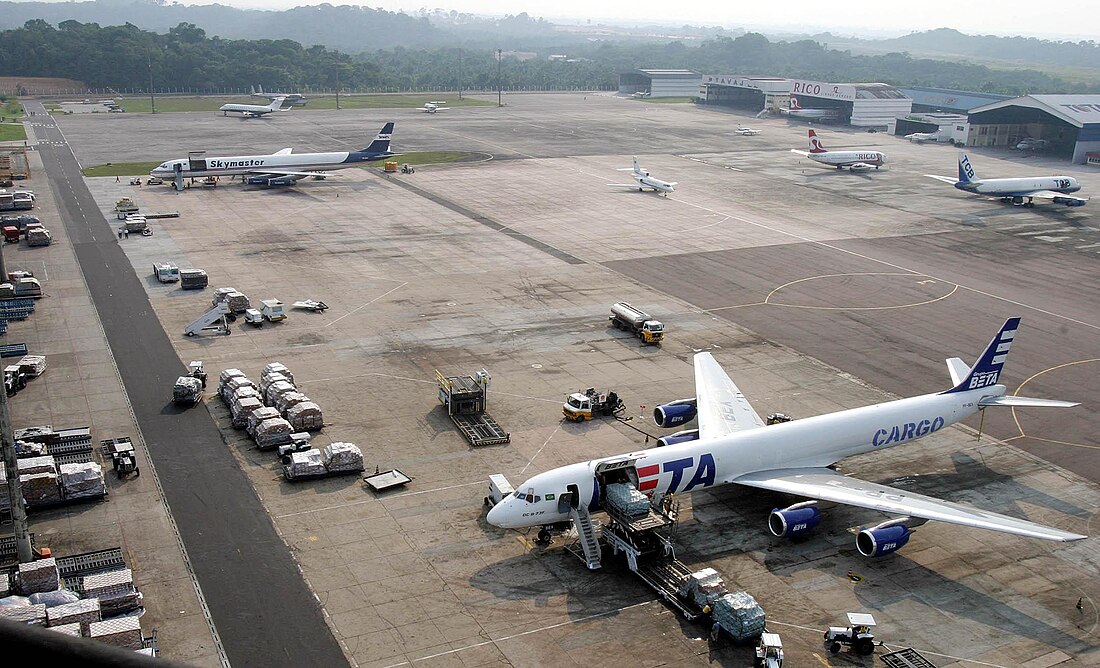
<point>987,370</point>
<point>966,170</point>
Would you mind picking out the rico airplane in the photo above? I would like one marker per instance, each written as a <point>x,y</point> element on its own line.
<point>795,110</point>
<point>292,99</point>
<point>253,110</point>
<point>733,446</point>
<point>856,161</point>
<point>1019,191</point>
<point>644,181</point>
<point>282,168</point>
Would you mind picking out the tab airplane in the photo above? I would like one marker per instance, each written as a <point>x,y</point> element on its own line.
<point>1019,191</point>
<point>733,446</point>
<point>644,181</point>
<point>253,110</point>
<point>282,168</point>
<point>856,161</point>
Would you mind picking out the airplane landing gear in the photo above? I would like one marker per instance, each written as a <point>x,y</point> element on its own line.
<point>543,537</point>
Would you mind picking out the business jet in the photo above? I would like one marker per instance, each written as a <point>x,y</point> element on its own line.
<point>432,107</point>
<point>921,137</point>
<point>640,94</point>
<point>253,110</point>
<point>856,161</point>
<point>293,99</point>
<point>733,446</point>
<point>795,110</point>
<point>283,168</point>
<point>1019,191</point>
<point>644,181</point>
<point>742,130</point>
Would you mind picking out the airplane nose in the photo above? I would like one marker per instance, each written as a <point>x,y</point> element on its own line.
<point>496,515</point>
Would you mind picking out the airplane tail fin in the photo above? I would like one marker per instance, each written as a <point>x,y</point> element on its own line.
<point>637,169</point>
<point>381,143</point>
<point>966,170</point>
<point>276,104</point>
<point>252,90</point>
<point>987,369</point>
<point>815,143</point>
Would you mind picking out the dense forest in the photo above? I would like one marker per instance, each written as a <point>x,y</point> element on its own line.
<point>126,58</point>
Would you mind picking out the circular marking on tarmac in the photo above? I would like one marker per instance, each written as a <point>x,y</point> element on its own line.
<point>1016,417</point>
<point>865,289</point>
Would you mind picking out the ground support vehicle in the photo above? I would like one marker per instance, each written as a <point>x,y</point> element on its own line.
<point>638,322</point>
<point>769,651</point>
<point>857,636</point>
<point>580,407</point>
<point>166,272</point>
<point>124,207</point>
<point>122,454</point>
<point>499,489</point>
<point>253,317</point>
<point>272,310</point>
<point>193,279</point>
<point>466,398</point>
<point>311,305</point>
<point>214,320</point>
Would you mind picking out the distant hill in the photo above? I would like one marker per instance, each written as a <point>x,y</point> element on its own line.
<point>348,28</point>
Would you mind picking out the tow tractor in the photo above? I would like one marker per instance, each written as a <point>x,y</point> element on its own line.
<point>580,407</point>
<point>188,389</point>
<point>123,457</point>
<point>857,636</point>
<point>769,651</point>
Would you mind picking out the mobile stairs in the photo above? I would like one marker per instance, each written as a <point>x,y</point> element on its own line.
<point>216,320</point>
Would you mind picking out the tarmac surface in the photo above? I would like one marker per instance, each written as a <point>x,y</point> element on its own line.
<point>817,290</point>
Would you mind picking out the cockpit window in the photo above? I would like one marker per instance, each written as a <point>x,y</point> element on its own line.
<point>529,496</point>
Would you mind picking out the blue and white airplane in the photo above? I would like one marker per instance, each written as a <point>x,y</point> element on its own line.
<point>1020,191</point>
<point>282,168</point>
<point>733,446</point>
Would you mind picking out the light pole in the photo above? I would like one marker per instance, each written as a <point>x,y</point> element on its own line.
<point>152,100</point>
<point>500,89</point>
<point>460,74</point>
<point>337,85</point>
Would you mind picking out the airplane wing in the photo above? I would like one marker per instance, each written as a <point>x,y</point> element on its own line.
<point>722,408</point>
<point>1050,194</point>
<point>828,485</point>
<point>625,185</point>
<point>286,172</point>
<point>945,179</point>
<point>802,153</point>
<point>285,151</point>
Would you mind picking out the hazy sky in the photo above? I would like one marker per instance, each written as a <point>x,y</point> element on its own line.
<point>1070,19</point>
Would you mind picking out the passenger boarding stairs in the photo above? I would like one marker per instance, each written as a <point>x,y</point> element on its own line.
<point>213,320</point>
<point>586,532</point>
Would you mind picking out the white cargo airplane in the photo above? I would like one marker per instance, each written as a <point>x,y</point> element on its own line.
<point>253,110</point>
<point>857,161</point>
<point>644,180</point>
<point>283,168</point>
<point>732,445</point>
<point>432,107</point>
<point>1018,191</point>
<point>742,130</point>
<point>293,99</point>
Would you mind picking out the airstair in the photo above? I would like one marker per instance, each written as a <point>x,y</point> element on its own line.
<point>586,536</point>
<point>213,321</point>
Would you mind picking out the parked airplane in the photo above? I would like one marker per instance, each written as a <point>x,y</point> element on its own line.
<point>432,107</point>
<point>732,445</point>
<point>921,137</point>
<point>644,180</point>
<point>292,99</point>
<point>1032,144</point>
<point>640,94</point>
<point>795,110</point>
<point>282,168</point>
<point>742,130</point>
<point>1019,191</point>
<point>854,160</point>
<point>253,110</point>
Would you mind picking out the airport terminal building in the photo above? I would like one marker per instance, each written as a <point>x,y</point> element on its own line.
<point>1070,124</point>
<point>660,83</point>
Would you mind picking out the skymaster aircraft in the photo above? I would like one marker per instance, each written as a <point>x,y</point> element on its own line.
<point>857,161</point>
<point>733,446</point>
<point>1018,191</point>
<point>282,168</point>
<point>644,181</point>
<point>253,110</point>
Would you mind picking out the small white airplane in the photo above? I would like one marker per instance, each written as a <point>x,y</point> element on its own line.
<point>856,161</point>
<point>1032,144</point>
<point>293,99</point>
<point>1018,191</point>
<point>733,446</point>
<point>921,137</point>
<point>432,107</point>
<point>640,94</point>
<point>795,110</point>
<point>644,181</point>
<point>253,110</point>
<point>742,130</point>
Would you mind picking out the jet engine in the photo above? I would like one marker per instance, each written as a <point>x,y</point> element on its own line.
<point>794,520</point>
<point>880,540</point>
<point>675,413</point>
<point>679,437</point>
<point>1069,201</point>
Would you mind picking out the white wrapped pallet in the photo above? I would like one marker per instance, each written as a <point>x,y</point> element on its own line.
<point>277,367</point>
<point>273,432</point>
<point>243,393</point>
<point>32,465</point>
<point>121,632</point>
<point>342,457</point>
<point>83,480</point>
<point>305,416</point>
<point>258,416</point>
<point>25,614</point>
<point>284,401</point>
<point>626,499</point>
<point>40,489</point>
<point>84,611</point>
<point>38,576</point>
<point>33,365</point>
<point>67,629</point>
<point>267,381</point>
<point>226,374</point>
<point>243,409</point>
<point>740,615</point>
<point>304,464</point>
<point>114,589</point>
<point>275,390</point>
<point>232,385</point>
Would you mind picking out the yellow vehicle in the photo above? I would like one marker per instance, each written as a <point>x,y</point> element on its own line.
<point>638,322</point>
<point>580,407</point>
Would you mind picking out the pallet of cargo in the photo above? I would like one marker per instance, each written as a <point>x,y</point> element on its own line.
<point>58,503</point>
<point>381,481</point>
<point>289,475</point>
<point>73,569</point>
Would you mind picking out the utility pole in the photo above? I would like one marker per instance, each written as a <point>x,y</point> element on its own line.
<point>500,88</point>
<point>152,100</point>
<point>15,491</point>
<point>338,86</point>
<point>460,74</point>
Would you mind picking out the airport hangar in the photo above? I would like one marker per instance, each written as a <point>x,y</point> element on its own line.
<point>660,83</point>
<point>866,105</point>
<point>1071,123</point>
